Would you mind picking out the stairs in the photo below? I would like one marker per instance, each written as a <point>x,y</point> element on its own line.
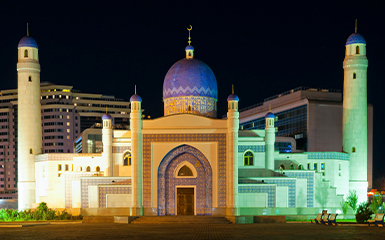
<point>180,220</point>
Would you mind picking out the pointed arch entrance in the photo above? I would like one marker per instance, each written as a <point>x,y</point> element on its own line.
<point>170,185</point>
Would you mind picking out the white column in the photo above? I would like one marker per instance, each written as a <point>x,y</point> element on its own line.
<point>269,143</point>
<point>107,145</point>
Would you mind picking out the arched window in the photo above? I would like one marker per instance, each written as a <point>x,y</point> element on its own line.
<point>97,169</point>
<point>249,158</point>
<point>354,75</point>
<point>291,166</point>
<point>79,169</point>
<point>282,167</point>
<point>357,49</point>
<point>30,79</point>
<point>353,149</point>
<point>88,169</point>
<point>189,53</point>
<point>189,108</point>
<point>25,53</point>
<point>127,159</point>
<point>30,151</point>
<point>185,171</point>
<point>300,167</point>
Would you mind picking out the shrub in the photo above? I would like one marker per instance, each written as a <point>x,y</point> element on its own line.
<point>344,206</point>
<point>352,200</point>
<point>377,202</point>
<point>363,212</point>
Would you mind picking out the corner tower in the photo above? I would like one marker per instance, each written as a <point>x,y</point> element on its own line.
<point>355,140</point>
<point>107,144</point>
<point>29,119</point>
<point>269,140</point>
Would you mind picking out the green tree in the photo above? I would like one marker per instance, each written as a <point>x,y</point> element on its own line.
<point>344,206</point>
<point>352,200</point>
<point>377,202</point>
<point>363,213</point>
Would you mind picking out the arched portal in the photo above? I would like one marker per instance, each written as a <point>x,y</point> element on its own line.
<point>169,182</point>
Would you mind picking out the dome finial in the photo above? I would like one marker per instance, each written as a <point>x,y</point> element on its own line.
<point>27,30</point>
<point>232,88</point>
<point>135,89</point>
<point>355,29</point>
<point>189,36</point>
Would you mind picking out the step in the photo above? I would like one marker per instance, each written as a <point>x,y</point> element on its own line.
<point>180,220</point>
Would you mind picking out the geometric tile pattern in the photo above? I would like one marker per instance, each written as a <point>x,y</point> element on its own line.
<point>167,180</point>
<point>220,138</point>
<point>261,188</point>
<point>103,191</point>
<point>64,156</point>
<point>68,179</point>
<point>258,148</point>
<point>310,184</point>
<point>94,181</point>
<point>327,155</point>
<point>282,182</point>
<point>120,149</point>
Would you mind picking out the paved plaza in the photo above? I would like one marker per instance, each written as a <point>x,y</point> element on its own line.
<point>192,231</point>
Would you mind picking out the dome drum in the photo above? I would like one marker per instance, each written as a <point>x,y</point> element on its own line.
<point>204,106</point>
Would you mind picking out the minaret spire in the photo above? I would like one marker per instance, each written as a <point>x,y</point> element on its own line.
<point>232,89</point>
<point>27,30</point>
<point>355,29</point>
<point>189,36</point>
<point>135,89</point>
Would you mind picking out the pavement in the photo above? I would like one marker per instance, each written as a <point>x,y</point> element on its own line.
<point>270,231</point>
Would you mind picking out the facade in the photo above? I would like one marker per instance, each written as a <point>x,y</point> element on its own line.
<point>311,116</point>
<point>190,163</point>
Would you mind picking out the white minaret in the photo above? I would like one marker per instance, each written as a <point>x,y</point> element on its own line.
<point>269,140</point>
<point>107,144</point>
<point>29,119</point>
<point>136,154</point>
<point>232,155</point>
<point>355,141</point>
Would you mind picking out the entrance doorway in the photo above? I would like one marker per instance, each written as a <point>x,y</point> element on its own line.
<point>185,201</point>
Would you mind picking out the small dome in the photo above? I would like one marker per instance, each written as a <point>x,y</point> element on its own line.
<point>106,117</point>
<point>269,115</point>
<point>190,77</point>
<point>232,97</point>
<point>189,47</point>
<point>355,38</point>
<point>135,98</point>
<point>27,42</point>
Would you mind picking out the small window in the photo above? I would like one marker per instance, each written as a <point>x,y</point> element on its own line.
<point>315,166</point>
<point>354,75</point>
<point>25,53</point>
<point>189,108</point>
<point>97,169</point>
<point>66,167</point>
<point>308,166</point>
<point>127,159</point>
<point>300,167</point>
<point>59,167</point>
<point>88,169</point>
<point>30,79</point>
<point>339,166</point>
<point>353,149</point>
<point>249,158</point>
<point>322,166</point>
<point>282,167</point>
<point>291,166</point>
<point>189,53</point>
<point>30,151</point>
<point>185,171</point>
<point>357,49</point>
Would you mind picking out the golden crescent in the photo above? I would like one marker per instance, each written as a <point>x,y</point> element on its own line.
<point>189,28</point>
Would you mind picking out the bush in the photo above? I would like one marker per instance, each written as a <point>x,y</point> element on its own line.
<point>344,206</point>
<point>352,200</point>
<point>363,213</point>
<point>377,202</point>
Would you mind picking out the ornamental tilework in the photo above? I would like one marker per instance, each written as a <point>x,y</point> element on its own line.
<point>94,181</point>
<point>328,155</point>
<point>120,149</point>
<point>167,180</point>
<point>204,106</point>
<point>69,178</point>
<point>220,138</point>
<point>310,183</point>
<point>269,189</point>
<point>254,148</point>
<point>103,191</point>
<point>290,183</point>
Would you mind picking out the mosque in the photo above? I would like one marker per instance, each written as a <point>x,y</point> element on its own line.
<point>188,162</point>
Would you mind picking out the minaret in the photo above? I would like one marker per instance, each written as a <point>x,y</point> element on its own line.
<point>269,140</point>
<point>29,119</point>
<point>232,155</point>
<point>355,127</point>
<point>136,154</point>
<point>107,144</point>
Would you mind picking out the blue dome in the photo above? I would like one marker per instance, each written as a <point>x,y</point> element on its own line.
<point>106,117</point>
<point>269,115</point>
<point>136,98</point>
<point>355,38</point>
<point>232,97</point>
<point>190,77</point>
<point>27,42</point>
<point>189,47</point>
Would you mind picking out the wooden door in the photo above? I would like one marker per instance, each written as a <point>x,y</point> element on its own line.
<point>185,201</point>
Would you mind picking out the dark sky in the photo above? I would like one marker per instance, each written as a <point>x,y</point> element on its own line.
<point>262,48</point>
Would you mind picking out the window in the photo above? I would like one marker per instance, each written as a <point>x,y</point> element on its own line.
<point>315,166</point>
<point>353,149</point>
<point>249,158</point>
<point>30,151</point>
<point>25,53</point>
<point>127,159</point>
<point>322,166</point>
<point>59,167</point>
<point>291,166</point>
<point>339,166</point>
<point>308,166</point>
<point>300,167</point>
<point>88,169</point>
<point>30,79</point>
<point>354,75</point>
<point>357,49</point>
<point>97,169</point>
<point>66,167</point>
<point>185,171</point>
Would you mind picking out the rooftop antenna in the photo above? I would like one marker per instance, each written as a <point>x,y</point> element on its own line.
<point>27,30</point>
<point>189,36</point>
<point>355,29</point>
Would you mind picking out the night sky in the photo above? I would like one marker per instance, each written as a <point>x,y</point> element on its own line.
<point>263,49</point>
